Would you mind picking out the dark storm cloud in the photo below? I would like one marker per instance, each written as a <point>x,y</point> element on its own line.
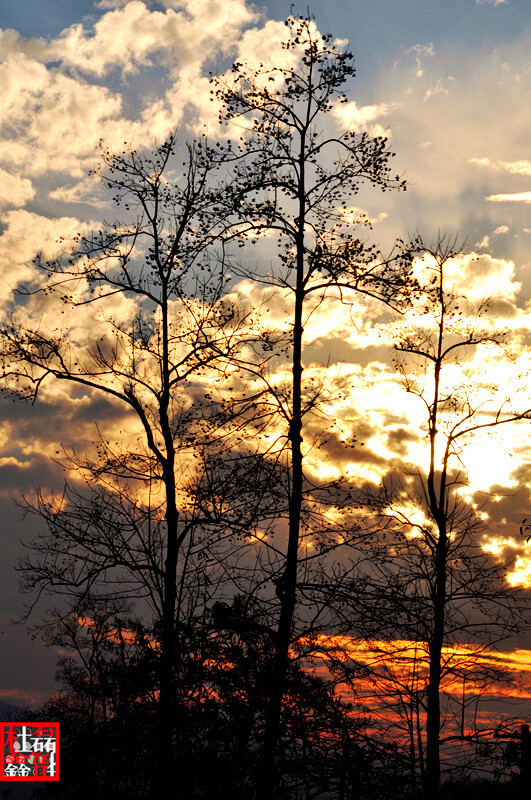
<point>502,308</point>
<point>328,351</point>
<point>19,478</point>
<point>522,474</point>
<point>334,350</point>
<point>37,431</point>
<point>341,452</point>
<point>506,506</point>
<point>398,438</point>
<point>89,409</point>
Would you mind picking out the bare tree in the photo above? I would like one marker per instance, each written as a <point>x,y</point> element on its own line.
<point>99,644</point>
<point>144,319</point>
<point>293,179</point>
<point>429,574</point>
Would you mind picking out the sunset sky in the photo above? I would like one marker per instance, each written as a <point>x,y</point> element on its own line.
<point>448,83</point>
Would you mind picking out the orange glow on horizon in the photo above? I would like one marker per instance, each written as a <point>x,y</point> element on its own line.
<point>406,664</point>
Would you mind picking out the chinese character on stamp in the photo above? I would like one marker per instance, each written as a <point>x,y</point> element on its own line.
<point>30,751</point>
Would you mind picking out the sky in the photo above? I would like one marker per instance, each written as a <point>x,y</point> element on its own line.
<point>448,83</point>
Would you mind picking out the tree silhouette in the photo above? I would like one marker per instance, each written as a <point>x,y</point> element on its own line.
<point>436,587</point>
<point>292,179</point>
<point>133,312</point>
<point>199,502</point>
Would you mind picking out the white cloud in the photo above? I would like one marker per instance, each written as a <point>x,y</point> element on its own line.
<point>87,190</point>
<point>474,275</point>
<point>516,197</point>
<point>12,42</point>
<point>257,47</point>
<point>354,216</point>
<point>52,121</point>
<point>53,112</point>
<point>522,167</point>
<point>444,186</point>
<point>123,37</point>
<point>21,78</point>
<point>14,190</point>
<point>501,229</point>
<point>111,3</point>
<point>24,235</point>
<point>361,118</point>
<point>130,35</point>
<point>483,243</point>
<point>263,45</point>
<point>492,2</point>
<point>438,88</point>
<point>422,51</point>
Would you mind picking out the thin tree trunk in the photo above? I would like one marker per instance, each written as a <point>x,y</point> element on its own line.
<point>167,697</point>
<point>287,585</point>
<point>433,716</point>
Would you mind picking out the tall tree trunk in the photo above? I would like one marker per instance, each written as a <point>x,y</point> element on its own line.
<point>287,585</point>
<point>432,775</point>
<point>167,697</point>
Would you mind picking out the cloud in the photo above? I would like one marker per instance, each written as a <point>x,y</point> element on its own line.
<point>54,106</point>
<point>358,216</point>
<point>398,440</point>
<point>361,118</point>
<point>112,3</point>
<point>263,45</point>
<point>483,243</point>
<point>492,2</point>
<point>477,276</point>
<point>123,38</point>
<point>23,476</point>
<point>24,235</point>
<point>448,180</point>
<point>255,46</point>
<point>14,190</point>
<point>516,197</point>
<point>522,167</point>
<point>87,190</point>
<point>422,51</point>
<point>52,121</point>
<point>12,42</point>
<point>129,36</point>
<point>438,88</point>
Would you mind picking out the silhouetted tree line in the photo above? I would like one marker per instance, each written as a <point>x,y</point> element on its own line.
<point>202,570</point>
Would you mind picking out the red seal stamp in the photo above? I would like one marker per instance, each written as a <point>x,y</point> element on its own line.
<point>30,751</point>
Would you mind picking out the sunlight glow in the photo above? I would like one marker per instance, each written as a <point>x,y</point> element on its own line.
<point>521,575</point>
